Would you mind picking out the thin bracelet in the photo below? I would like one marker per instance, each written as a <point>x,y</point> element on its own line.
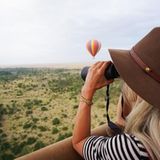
<point>86,101</point>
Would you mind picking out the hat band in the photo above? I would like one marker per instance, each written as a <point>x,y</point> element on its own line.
<point>143,66</point>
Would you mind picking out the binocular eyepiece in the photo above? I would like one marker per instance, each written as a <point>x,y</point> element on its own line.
<point>110,72</point>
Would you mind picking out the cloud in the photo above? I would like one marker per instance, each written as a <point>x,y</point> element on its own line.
<point>36,31</point>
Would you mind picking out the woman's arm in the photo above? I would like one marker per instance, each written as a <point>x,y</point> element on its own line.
<point>95,80</point>
<point>82,128</point>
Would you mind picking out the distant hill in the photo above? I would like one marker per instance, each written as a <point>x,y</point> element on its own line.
<point>58,65</point>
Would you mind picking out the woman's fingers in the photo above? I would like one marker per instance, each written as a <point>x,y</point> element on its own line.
<point>99,65</point>
<point>95,78</point>
<point>99,68</point>
<point>105,65</point>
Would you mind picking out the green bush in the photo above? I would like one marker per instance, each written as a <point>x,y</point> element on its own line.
<point>44,119</point>
<point>42,128</point>
<point>19,93</point>
<point>55,130</point>
<point>64,115</point>
<point>75,106</point>
<point>17,148</point>
<point>31,140</point>
<point>26,149</point>
<point>28,103</point>
<point>5,146</point>
<point>29,112</point>
<point>22,144</point>
<point>55,121</point>
<point>34,126</point>
<point>39,144</point>
<point>6,76</point>
<point>20,85</point>
<point>104,115</point>
<point>34,119</point>
<point>37,102</point>
<point>12,110</point>
<point>1,105</point>
<point>63,136</point>
<point>44,109</point>
<point>1,109</point>
<point>4,135</point>
<point>101,105</point>
<point>60,137</point>
<point>39,135</point>
<point>1,131</point>
<point>65,128</point>
<point>27,125</point>
<point>101,123</point>
<point>7,156</point>
<point>23,136</point>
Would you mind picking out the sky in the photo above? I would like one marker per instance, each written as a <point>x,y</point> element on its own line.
<point>56,31</point>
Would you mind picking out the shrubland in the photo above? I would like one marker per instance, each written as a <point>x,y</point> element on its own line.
<point>38,106</point>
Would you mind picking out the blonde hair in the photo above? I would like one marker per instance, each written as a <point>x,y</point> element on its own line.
<point>144,123</point>
<point>129,95</point>
<point>129,100</point>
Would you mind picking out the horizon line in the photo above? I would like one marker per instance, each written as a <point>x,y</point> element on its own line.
<point>47,65</point>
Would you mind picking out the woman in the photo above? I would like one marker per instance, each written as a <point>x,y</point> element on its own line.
<point>140,69</point>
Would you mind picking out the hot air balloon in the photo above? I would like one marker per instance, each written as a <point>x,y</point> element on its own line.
<point>93,46</point>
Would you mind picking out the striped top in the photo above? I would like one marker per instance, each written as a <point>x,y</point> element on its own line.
<point>119,147</point>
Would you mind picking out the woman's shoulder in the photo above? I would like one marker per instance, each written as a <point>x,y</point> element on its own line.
<point>133,138</point>
<point>137,143</point>
<point>124,145</point>
<point>134,144</point>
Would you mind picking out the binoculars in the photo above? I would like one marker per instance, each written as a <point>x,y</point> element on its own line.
<point>110,72</point>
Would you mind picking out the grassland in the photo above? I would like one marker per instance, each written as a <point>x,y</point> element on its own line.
<point>38,106</point>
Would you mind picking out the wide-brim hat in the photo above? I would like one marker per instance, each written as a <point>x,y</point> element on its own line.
<point>139,67</point>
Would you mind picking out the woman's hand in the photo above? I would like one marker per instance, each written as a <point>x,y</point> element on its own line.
<point>95,79</point>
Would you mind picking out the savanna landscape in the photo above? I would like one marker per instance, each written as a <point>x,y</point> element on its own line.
<point>38,106</point>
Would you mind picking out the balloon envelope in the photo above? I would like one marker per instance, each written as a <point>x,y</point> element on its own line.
<point>93,47</point>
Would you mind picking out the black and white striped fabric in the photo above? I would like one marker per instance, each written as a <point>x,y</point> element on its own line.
<point>119,147</point>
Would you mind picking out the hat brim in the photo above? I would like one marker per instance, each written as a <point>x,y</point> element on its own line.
<point>137,79</point>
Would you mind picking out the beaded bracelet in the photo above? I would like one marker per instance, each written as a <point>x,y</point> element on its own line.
<point>87,101</point>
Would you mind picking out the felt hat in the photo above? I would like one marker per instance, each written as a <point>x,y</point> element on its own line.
<point>139,67</point>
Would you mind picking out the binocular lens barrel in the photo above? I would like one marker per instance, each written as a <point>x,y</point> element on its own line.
<point>110,72</point>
